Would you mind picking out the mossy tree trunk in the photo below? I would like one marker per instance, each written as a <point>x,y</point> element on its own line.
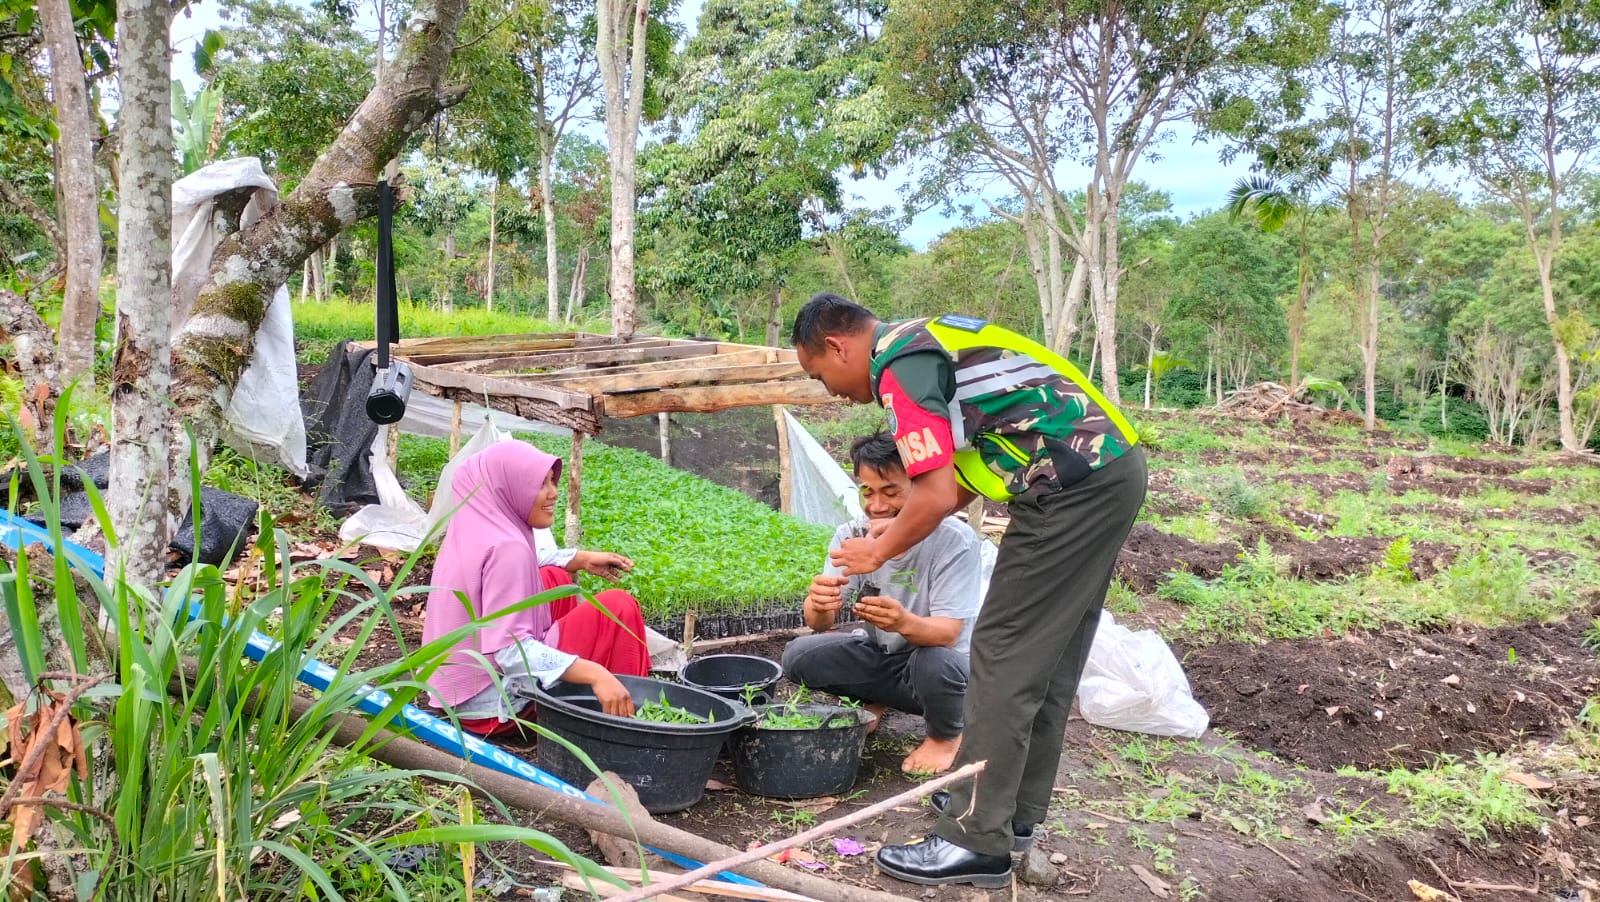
<point>248,266</point>
<point>140,371</point>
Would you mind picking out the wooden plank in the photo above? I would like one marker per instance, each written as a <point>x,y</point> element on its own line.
<point>527,408</point>
<point>701,374</point>
<point>489,343</point>
<point>738,358</point>
<point>600,356</point>
<point>430,378</point>
<point>710,398</point>
<point>576,883</point>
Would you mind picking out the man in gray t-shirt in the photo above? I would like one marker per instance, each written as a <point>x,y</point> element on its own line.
<point>918,610</point>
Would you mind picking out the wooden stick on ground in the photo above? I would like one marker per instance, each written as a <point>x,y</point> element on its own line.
<point>682,880</point>
<point>703,887</point>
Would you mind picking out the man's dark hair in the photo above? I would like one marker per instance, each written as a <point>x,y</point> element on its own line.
<point>827,314</point>
<point>877,451</point>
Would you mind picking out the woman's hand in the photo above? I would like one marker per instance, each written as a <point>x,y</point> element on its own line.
<point>608,690</point>
<point>607,565</point>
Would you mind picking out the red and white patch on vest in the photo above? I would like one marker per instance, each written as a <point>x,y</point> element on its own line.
<point>923,437</point>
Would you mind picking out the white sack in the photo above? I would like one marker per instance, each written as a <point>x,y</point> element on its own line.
<point>1134,682</point>
<point>264,417</point>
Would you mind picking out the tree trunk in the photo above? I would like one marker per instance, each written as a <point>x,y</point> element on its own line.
<point>80,195</point>
<point>579,272</point>
<point>1106,326</point>
<point>624,86</point>
<point>774,306</point>
<point>552,259</point>
<point>140,373</point>
<point>448,296</point>
<point>1369,345</point>
<point>488,279</point>
<point>248,266</point>
<point>1564,394</point>
<point>1297,313</point>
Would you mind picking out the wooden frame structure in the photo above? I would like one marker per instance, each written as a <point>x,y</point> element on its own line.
<point>574,379</point>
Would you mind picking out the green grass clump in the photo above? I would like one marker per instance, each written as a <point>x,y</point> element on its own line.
<point>1472,798</point>
<point>1492,587</point>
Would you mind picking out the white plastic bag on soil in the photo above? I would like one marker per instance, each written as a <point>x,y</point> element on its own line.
<point>264,416</point>
<point>1134,682</point>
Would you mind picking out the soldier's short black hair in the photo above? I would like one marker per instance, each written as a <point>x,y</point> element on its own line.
<point>828,314</point>
<point>877,451</point>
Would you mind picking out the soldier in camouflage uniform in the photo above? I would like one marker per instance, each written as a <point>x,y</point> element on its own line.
<point>979,410</point>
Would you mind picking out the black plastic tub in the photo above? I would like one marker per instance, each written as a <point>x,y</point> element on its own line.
<point>800,763</point>
<point>666,763</point>
<point>743,678</point>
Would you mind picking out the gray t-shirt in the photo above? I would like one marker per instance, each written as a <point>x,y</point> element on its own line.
<point>938,577</point>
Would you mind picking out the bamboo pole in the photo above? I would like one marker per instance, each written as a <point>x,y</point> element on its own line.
<point>455,428</point>
<point>664,432</point>
<point>785,465</point>
<point>391,446</point>
<point>574,468</point>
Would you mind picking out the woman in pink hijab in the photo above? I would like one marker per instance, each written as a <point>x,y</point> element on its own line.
<point>489,562</point>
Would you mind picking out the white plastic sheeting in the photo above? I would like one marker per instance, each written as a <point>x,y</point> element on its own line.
<point>820,491</point>
<point>264,417</point>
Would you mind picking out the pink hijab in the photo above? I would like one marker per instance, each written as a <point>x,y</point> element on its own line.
<point>489,556</point>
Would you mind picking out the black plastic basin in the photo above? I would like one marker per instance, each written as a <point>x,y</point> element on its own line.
<point>666,763</point>
<point>801,763</point>
<point>739,677</point>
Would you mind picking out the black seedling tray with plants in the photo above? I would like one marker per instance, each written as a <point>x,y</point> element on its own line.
<point>665,752</point>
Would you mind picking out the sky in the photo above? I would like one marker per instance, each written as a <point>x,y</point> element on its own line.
<point>1189,172</point>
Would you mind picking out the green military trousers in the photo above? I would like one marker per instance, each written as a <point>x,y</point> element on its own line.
<point>1030,645</point>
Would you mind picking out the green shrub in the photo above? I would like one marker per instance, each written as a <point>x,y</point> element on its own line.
<point>1472,799</point>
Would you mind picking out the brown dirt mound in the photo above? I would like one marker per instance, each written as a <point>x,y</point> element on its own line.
<point>1150,554</point>
<point>1482,466</point>
<point>1335,557</point>
<point>1394,698</point>
<point>1469,485</point>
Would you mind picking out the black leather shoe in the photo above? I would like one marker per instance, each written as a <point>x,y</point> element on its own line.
<point>933,861</point>
<point>1021,834</point>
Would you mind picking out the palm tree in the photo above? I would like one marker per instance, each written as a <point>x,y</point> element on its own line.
<point>1275,203</point>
